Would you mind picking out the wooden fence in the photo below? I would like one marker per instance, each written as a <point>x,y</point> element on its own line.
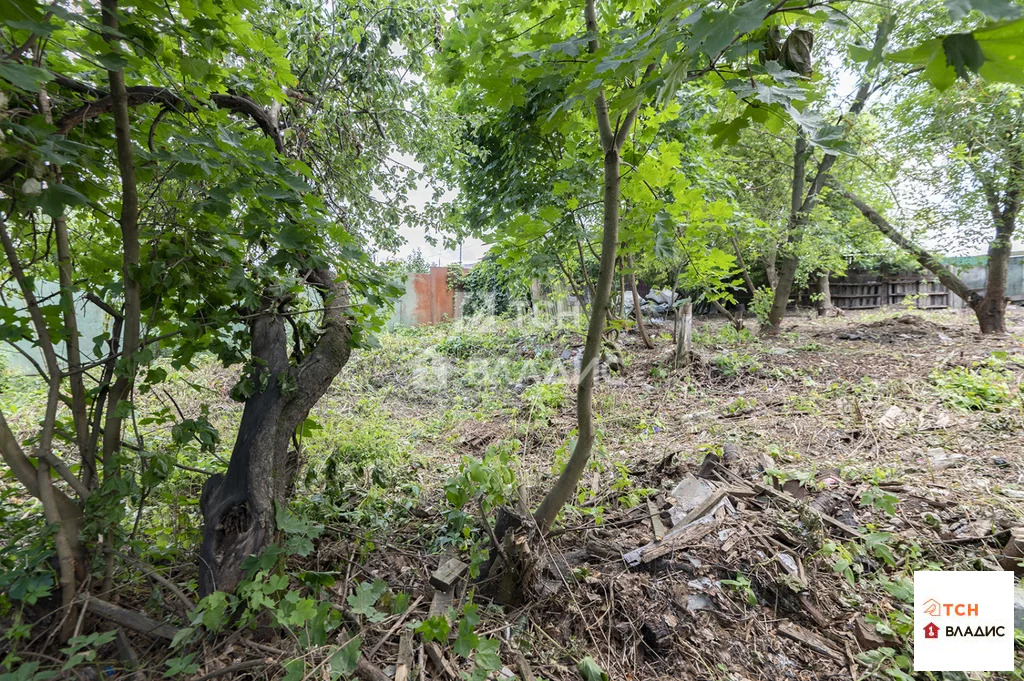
<point>865,294</point>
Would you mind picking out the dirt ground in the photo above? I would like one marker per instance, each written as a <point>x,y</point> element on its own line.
<point>819,469</point>
<point>856,449</point>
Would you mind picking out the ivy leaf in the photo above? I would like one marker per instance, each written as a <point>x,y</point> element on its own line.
<point>365,597</point>
<point>487,654</point>
<point>344,660</point>
<point>467,640</point>
<point>590,670</point>
<point>434,628</point>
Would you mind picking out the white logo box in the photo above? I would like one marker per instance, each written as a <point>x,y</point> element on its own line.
<point>963,621</point>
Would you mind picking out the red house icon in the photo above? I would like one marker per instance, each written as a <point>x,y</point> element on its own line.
<point>931,630</point>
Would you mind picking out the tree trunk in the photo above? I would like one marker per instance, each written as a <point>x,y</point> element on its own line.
<point>991,310</point>
<point>736,322</point>
<point>824,292</point>
<point>611,144</point>
<point>770,270</point>
<point>238,507</point>
<point>648,343</point>
<point>790,260</point>
<point>743,266</point>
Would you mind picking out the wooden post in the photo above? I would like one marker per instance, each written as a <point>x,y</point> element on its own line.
<point>684,342</point>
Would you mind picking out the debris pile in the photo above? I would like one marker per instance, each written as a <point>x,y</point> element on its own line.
<point>726,572</point>
<point>900,329</point>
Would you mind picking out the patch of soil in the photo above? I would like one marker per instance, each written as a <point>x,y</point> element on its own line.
<point>893,330</point>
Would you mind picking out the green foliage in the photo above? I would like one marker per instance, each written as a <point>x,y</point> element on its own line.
<point>544,399</point>
<point>590,670</point>
<point>742,585</point>
<point>736,363</point>
<point>982,387</point>
<point>761,304</point>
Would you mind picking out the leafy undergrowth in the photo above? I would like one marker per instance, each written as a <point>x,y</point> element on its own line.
<point>912,443</point>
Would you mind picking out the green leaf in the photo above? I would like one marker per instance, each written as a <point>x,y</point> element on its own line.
<point>467,640</point>
<point>434,628</point>
<point>487,656</point>
<point>995,9</point>
<point>305,610</point>
<point>365,597</point>
<point>345,659</point>
<point>963,53</point>
<point>58,196</point>
<point>590,670</point>
<point>24,76</point>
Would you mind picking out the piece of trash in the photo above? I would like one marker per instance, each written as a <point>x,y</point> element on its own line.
<point>690,492</point>
<point>698,602</point>
<point>1013,493</point>
<point>940,459</point>
<point>891,418</point>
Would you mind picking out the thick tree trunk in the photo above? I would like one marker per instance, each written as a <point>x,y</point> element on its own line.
<point>824,291</point>
<point>991,310</point>
<point>648,343</point>
<point>238,506</point>
<point>797,218</point>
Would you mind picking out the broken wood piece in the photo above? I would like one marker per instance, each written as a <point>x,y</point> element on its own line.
<point>1013,552</point>
<point>130,619</point>
<point>440,662</point>
<point>403,666</point>
<point>671,542</point>
<point>708,507</point>
<point>867,635</point>
<point>792,501</point>
<point>445,576</point>
<point>657,526</point>
<point>525,671</point>
<point>813,641</point>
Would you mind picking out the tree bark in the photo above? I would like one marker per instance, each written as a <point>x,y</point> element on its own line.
<point>801,205</point>
<point>743,265</point>
<point>129,221</point>
<point>239,506</point>
<point>648,343</point>
<point>790,261</point>
<point>611,145</point>
<point>824,291</point>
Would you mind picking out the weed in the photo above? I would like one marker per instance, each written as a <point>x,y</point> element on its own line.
<point>735,364</point>
<point>544,399</point>
<point>740,405</point>
<point>980,387</point>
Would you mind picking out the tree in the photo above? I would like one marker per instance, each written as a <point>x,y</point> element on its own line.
<point>966,142</point>
<point>194,189</point>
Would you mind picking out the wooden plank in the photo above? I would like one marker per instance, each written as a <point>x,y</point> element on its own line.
<point>813,641</point>
<point>404,665</point>
<point>445,576</point>
<point>657,526</point>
